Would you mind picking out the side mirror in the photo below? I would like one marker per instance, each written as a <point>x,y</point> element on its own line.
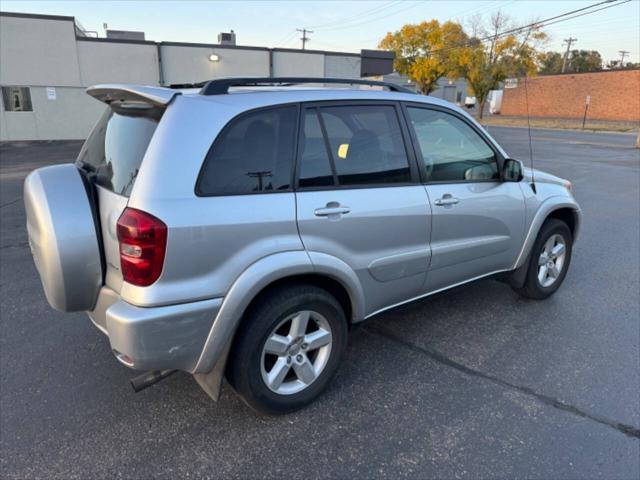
<point>512,170</point>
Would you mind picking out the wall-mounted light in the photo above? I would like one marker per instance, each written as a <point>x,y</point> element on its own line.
<point>214,58</point>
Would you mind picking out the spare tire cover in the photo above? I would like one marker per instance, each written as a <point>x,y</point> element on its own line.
<point>63,237</point>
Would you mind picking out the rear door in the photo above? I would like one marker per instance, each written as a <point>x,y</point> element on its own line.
<point>112,156</point>
<point>478,219</point>
<point>359,198</point>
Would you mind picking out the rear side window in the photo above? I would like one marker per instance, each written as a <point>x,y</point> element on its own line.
<point>116,146</point>
<point>363,145</point>
<point>253,154</point>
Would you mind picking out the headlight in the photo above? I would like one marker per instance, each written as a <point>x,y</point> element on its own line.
<point>568,185</point>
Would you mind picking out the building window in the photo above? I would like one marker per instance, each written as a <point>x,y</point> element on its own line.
<point>16,99</point>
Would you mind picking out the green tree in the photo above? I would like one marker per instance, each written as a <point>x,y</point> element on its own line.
<point>493,56</point>
<point>426,51</point>
<point>615,64</point>
<point>585,61</point>
<point>550,63</point>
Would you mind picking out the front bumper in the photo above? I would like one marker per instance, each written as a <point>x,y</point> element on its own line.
<point>155,338</point>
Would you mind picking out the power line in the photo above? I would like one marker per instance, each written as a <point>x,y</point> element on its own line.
<point>539,24</point>
<point>561,17</point>
<point>468,12</point>
<point>286,38</point>
<point>568,41</point>
<point>357,16</point>
<point>592,11</point>
<point>304,37</point>
<point>485,7</point>
<point>375,19</point>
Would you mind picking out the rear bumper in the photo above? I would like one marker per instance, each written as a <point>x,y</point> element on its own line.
<point>155,338</point>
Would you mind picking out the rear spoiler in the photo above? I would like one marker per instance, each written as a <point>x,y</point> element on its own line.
<point>115,92</point>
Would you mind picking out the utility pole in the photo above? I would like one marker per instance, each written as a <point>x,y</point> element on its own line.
<point>304,38</point>
<point>623,53</point>
<point>568,41</point>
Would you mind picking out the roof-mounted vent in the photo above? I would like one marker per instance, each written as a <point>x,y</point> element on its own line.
<point>227,38</point>
<point>125,35</point>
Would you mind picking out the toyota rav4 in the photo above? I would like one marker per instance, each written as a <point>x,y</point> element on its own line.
<point>240,227</point>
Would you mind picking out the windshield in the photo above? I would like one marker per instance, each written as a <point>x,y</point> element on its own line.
<point>116,146</point>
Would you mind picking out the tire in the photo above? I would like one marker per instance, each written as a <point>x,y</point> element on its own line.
<point>309,362</point>
<point>541,283</point>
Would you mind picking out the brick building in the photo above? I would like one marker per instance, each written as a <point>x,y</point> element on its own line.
<point>614,95</point>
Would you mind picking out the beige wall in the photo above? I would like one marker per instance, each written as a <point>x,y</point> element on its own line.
<point>69,117</point>
<point>42,52</point>
<point>189,64</point>
<point>107,62</point>
<point>293,64</point>
<point>341,66</point>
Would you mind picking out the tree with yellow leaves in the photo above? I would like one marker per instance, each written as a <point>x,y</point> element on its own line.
<point>426,52</point>
<point>492,55</point>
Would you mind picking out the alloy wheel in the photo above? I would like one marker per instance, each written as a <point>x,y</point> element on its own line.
<point>296,352</point>
<point>551,260</point>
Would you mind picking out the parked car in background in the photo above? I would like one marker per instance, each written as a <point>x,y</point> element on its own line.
<point>470,102</point>
<point>241,228</point>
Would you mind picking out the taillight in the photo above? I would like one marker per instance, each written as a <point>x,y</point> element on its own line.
<point>143,241</point>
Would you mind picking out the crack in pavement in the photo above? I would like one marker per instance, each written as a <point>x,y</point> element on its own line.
<point>545,399</point>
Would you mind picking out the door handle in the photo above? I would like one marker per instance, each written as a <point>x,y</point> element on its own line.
<point>331,210</point>
<point>447,199</point>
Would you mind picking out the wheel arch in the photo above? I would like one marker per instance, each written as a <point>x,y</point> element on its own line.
<point>562,208</point>
<point>271,272</point>
<point>325,282</point>
<point>567,215</point>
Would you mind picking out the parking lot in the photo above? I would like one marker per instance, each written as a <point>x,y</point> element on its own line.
<point>474,383</point>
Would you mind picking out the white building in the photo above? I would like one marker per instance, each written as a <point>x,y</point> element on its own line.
<point>47,62</point>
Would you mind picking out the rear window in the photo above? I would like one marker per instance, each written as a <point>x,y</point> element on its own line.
<point>253,154</point>
<point>114,150</point>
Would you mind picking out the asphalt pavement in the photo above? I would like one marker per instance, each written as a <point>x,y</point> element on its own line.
<point>474,383</point>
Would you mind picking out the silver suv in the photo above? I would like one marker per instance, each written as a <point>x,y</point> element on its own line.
<point>240,228</point>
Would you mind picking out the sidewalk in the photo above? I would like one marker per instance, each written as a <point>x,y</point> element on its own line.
<point>560,123</point>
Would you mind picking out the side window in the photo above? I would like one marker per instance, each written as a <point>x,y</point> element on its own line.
<point>366,144</point>
<point>451,150</point>
<point>253,154</point>
<point>365,147</point>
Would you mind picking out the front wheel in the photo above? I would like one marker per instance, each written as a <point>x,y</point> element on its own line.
<point>288,348</point>
<point>549,260</point>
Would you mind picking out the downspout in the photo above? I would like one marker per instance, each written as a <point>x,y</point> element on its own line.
<point>271,62</point>
<point>160,69</point>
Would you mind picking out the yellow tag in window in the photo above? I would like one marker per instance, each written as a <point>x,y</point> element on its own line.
<point>343,150</point>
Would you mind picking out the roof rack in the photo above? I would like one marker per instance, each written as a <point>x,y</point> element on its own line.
<point>187,85</point>
<point>221,86</point>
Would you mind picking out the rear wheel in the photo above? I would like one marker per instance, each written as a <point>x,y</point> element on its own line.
<point>288,348</point>
<point>549,260</point>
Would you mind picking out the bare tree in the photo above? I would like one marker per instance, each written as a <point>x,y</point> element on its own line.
<point>494,55</point>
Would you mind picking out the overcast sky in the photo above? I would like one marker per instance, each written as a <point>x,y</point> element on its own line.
<point>339,25</point>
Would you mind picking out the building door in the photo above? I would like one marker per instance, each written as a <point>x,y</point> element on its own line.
<point>450,93</point>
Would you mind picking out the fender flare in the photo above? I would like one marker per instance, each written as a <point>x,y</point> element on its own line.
<point>258,276</point>
<point>547,207</point>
